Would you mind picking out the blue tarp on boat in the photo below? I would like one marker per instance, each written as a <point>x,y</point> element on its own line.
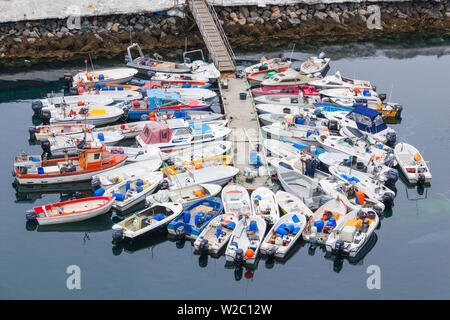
<point>368,120</point>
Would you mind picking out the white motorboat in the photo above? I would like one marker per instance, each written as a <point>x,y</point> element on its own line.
<point>324,220</point>
<point>373,187</point>
<point>305,188</point>
<point>283,235</point>
<point>291,204</point>
<point>216,234</point>
<point>146,221</point>
<point>46,131</point>
<point>55,102</point>
<point>304,164</point>
<point>186,195</point>
<point>127,172</point>
<point>60,145</point>
<point>130,192</point>
<point>338,81</point>
<point>281,149</point>
<point>245,240</point>
<point>413,166</point>
<point>235,199</point>
<point>214,174</point>
<point>264,204</point>
<point>98,115</point>
<point>192,93</point>
<point>164,76</point>
<point>70,211</point>
<point>289,77</point>
<point>128,130</point>
<point>266,64</point>
<point>116,93</point>
<point>292,132</point>
<point>354,230</point>
<point>160,135</point>
<point>372,167</point>
<point>286,100</point>
<point>139,154</point>
<point>104,76</point>
<point>315,64</point>
<point>283,109</point>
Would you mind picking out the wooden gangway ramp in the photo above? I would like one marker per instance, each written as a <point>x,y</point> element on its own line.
<point>246,133</point>
<point>213,35</point>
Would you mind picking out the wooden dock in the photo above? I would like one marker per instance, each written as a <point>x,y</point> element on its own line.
<point>246,133</point>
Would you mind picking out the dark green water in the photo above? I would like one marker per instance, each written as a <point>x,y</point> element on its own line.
<point>411,247</point>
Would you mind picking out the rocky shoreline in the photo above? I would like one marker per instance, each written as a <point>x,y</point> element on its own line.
<point>32,42</point>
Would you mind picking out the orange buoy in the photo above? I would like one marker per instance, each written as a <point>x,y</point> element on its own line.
<point>248,274</point>
<point>360,197</point>
<point>122,126</point>
<point>80,103</point>
<point>198,166</point>
<point>249,253</point>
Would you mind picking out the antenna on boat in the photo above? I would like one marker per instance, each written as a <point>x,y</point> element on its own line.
<point>292,52</point>
<point>92,65</point>
<point>390,94</point>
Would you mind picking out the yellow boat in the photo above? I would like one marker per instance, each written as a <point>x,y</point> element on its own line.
<point>199,164</point>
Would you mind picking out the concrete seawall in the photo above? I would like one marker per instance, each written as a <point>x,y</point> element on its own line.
<point>102,34</point>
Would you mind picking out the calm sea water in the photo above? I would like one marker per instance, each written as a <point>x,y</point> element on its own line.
<point>410,247</point>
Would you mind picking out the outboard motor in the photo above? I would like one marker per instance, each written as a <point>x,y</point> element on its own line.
<point>32,131</point>
<point>271,252</point>
<point>134,82</point>
<point>143,92</point>
<point>73,91</point>
<point>378,209</point>
<point>391,138</point>
<point>388,200</point>
<point>117,235</point>
<point>297,69</point>
<point>164,185</point>
<point>180,233</point>
<point>421,179</point>
<point>151,74</point>
<point>31,215</point>
<point>186,60</point>
<point>203,247</point>
<point>239,256</point>
<point>126,59</point>
<point>322,55</point>
<point>95,182</point>
<point>46,147</point>
<point>399,109</point>
<point>389,161</point>
<point>382,96</point>
<point>313,240</point>
<point>37,106</point>
<point>391,177</point>
<point>360,165</point>
<point>263,67</point>
<point>333,125</point>
<point>68,79</point>
<point>46,115</point>
<point>339,247</point>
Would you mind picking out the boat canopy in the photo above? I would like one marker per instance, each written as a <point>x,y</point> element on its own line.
<point>368,120</point>
<point>156,132</point>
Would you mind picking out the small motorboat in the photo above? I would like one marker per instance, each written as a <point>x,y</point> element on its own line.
<point>174,84</point>
<point>291,204</point>
<point>193,220</point>
<point>146,65</point>
<point>220,175</point>
<point>354,230</point>
<point>118,93</point>
<point>324,220</point>
<point>256,78</point>
<point>98,115</point>
<point>177,168</point>
<point>372,167</point>
<point>190,93</point>
<point>216,234</point>
<point>53,130</point>
<point>265,64</point>
<point>158,133</point>
<point>285,100</point>
<point>199,151</point>
<point>146,221</point>
<point>91,159</point>
<point>280,149</point>
<point>413,166</point>
<point>235,199</point>
<point>338,81</point>
<point>352,196</point>
<point>138,154</point>
<point>304,164</point>
<point>264,204</point>
<point>56,102</point>
<point>305,188</point>
<point>278,91</point>
<point>132,191</point>
<point>351,146</point>
<point>279,109</point>
<point>315,64</point>
<point>61,145</point>
<point>245,240</point>
<point>187,195</point>
<point>127,130</point>
<point>372,186</point>
<point>331,107</point>
<point>70,211</point>
<point>159,101</point>
<point>103,76</point>
<point>167,76</point>
<point>289,77</point>
<point>128,172</point>
<point>283,235</point>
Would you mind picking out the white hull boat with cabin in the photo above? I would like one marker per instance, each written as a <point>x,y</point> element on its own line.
<point>264,205</point>
<point>413,166</point>
<point>187,195</point>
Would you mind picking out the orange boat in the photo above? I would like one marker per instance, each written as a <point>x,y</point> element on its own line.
<point>257,77</point>
<point>92,159</point>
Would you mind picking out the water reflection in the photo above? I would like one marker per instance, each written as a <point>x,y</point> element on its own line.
<point>145,242</point>
<point>66,191</point>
